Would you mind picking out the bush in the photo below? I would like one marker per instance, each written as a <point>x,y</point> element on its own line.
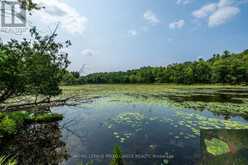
<point>46,117</point>
<point>11,121</point>
<point>7,126</point>
<point>1,115</point>
<point>19,117</point>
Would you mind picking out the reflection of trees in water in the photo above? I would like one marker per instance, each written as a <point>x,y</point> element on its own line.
<point>38,144</point>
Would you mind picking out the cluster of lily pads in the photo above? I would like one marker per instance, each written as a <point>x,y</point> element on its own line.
<point>195,122</point>
<point>130,123</point>
<point>130,119</point>
<point>160,99</point>
<point>127,124</point>
<point>122,136</point>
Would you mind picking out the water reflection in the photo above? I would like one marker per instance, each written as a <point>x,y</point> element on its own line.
<point>37,144</point>
<point>217,97</point>
<point>139,126</point>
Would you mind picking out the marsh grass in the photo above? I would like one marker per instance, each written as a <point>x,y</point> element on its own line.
<point>5,160</point>
<point>223,99</point>
<point>218,98</point>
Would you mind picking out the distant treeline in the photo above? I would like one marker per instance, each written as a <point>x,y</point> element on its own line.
<point>221,68</point>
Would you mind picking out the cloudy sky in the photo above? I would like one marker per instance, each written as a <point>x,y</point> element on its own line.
<point>112,35</point>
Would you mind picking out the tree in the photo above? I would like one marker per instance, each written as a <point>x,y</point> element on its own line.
<point>225,68</point>
<point>34,66</point>
<point>12,77</point>
<point>75,74</point>
<point>28,5</point>
<point>202,72</point>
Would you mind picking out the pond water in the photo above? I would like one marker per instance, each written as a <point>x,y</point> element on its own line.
<point>148,129</point>
<point>147,133</point>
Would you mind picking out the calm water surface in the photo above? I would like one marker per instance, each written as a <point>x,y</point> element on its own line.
<point>147,133</point>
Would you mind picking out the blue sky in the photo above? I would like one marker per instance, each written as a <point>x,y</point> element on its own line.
<point>112,35</point>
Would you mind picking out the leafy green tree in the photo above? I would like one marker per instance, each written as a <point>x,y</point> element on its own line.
<point>12,71</point>
<point>75,74</point>
<point>221,68</point>
<point>34,66</point>
<point>202,72</point>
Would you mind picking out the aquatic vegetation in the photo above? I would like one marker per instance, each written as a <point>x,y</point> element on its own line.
<point>165,161</point>
<point>176,137</point>
<point>135,122</point>
<point>136,114</point>
<point>132,122</point>
<point>122,137</point>
<point>224,147</point>
<point>4,160</point>
<point>221,108</point>
<point>130,119</point>
<point>208,123</point>
<point>191,96</point>
<point>216,146</point>
<point>236,139</point>
<point>117,156</point>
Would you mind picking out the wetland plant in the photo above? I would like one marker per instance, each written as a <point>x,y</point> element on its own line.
<point>5,160</point>
<point>10,122</point>
<point>117,156</point>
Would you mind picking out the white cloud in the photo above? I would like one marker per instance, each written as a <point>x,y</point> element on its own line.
<point>57,11</point>
<point>205,10</point>
<point>88,52</point>
<point>222,15</point>
<point>218,13</point>
<point>184,2</point>
<point>223,3</point>
<point>177,24</point>
<point>151,17</point>
<point>132,32</point>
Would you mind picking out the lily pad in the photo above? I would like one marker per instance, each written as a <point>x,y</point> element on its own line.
<point>216,147</point>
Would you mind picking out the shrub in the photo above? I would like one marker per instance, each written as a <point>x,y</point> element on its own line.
<point>46,117</point>
<point>1,115</point>
<point>19,117</point>
<point>7,126</point>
